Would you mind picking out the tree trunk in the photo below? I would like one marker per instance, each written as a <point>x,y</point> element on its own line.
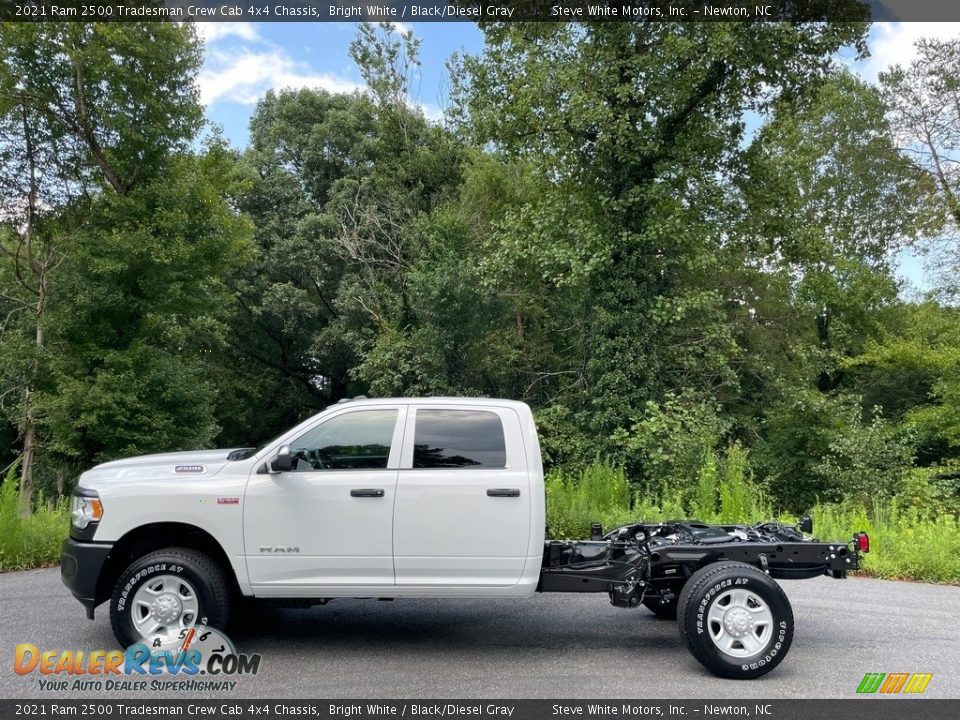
<point>824,381</point>
<point>61,484</point>
<point>29,417</point>
<point>26,470</point>
<point>39,267</point>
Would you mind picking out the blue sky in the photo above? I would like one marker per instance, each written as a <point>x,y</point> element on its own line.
<point>244,60</point>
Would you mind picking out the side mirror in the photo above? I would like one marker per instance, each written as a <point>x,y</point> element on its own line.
<point>284,461</point>
<point>806,524</point>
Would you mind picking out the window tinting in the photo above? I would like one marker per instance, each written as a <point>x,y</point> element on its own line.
<point>353,441</point>
<point>458,439</point>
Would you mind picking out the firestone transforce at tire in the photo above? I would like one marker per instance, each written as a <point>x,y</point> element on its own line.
<point>737,622</point>
<point>165,591</point>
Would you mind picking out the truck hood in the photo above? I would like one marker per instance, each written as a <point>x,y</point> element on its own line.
<point>176,467</point>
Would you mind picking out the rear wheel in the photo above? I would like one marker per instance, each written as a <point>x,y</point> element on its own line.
<point>165,591</point>
<point>736,621</point>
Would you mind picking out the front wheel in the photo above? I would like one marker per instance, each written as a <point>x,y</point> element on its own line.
<point>736,621</point>
<point>163,592</point>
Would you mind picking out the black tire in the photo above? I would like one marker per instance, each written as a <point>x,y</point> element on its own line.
<point>709,585</point>
<point>789,573</point>
<point>664,611</point>
<point>205,576</point>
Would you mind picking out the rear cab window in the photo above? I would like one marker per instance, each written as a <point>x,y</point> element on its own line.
<point>458,438</point>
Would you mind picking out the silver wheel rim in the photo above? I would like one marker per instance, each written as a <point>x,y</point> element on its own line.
<point>740,623</point>
<point>163,606</point>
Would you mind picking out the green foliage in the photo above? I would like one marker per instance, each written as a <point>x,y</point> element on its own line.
<point>704,504</point>
<point>913,371</point>
<point>639,163</point>
<point>932,491</point>
<point>598,493</point>
<point>116,99</point>
<point>866,460</point>
<point>563,444</point>
<point>668,442</point>
<point>905,543</point>
<point>349,290</point>
<point>33,541</point>
<point>741,500</point>
<point>819,446</point>
<point>120,232</point>
<point>139,305</point>
<point>727,479</point>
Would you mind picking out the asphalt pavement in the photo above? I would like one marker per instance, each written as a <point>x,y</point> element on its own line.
<point>550,646</point>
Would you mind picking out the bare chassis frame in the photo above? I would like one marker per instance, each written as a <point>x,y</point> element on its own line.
<point>650,562</point>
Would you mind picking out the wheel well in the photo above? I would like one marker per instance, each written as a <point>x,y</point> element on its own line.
<point>147,538</point>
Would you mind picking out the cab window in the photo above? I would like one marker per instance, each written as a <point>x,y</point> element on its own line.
<point>459,439</point>
<point>352,441</point>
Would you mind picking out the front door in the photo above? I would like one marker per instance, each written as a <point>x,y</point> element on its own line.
<point>329,521</point>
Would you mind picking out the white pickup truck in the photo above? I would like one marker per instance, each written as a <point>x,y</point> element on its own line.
<point>423,498</point>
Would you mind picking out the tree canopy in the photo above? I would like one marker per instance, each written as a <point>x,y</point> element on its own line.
<point>668,238</point>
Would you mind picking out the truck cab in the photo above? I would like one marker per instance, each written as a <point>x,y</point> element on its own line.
<point>438,497</point>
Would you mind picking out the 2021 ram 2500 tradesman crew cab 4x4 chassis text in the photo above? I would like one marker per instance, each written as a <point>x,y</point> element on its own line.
<point>432,497</point>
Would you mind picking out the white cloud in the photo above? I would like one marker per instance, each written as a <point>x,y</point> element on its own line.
<point>210,32</point>
<point>243,70</point>
<point>245,75</point>
<point>894,43</point>
<point>431,112</point>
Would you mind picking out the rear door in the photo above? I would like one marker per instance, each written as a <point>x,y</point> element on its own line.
<point>462,511</point>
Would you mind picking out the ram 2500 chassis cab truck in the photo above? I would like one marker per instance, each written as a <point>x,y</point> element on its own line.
<point>413,498</point>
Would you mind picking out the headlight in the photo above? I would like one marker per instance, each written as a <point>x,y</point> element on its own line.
<point>84,510</point>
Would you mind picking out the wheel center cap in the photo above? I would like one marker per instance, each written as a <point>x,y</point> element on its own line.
<point>738,622</point>
<point>166,608</point>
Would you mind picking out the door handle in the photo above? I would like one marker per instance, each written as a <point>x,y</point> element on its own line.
<point>503,492</point>
<point>366,492</point>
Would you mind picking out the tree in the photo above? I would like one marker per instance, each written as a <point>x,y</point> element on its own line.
<point>30,253</point>
<point>912,371</point>
<point>829,200</point>
<point>338,184</point>
<point>142,303</point>
<point>96,123</point>
<point>924,103</point>
<point>632,128</point>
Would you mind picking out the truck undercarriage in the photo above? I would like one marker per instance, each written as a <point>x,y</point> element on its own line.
<point>716,580</point>
<point>654,560</point>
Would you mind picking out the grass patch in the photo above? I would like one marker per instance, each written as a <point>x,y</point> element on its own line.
<point>598,493</point>
<point>34,541</point>
<point>905,544</point>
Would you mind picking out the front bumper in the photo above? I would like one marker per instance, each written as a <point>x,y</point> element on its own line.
<point>80,567</point>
